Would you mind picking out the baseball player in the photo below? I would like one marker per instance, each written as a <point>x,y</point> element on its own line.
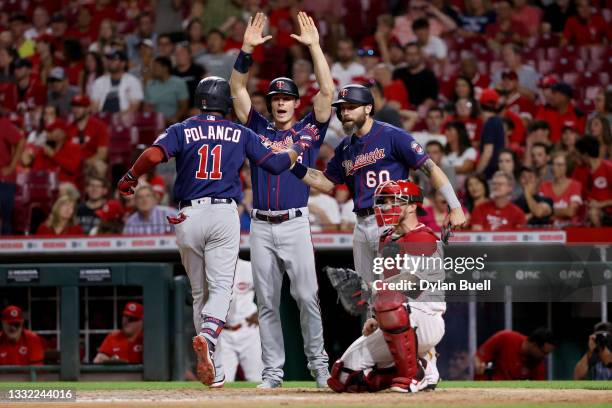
<point>209,152</point>
<point>397,350</point>
<point>239,341</point>
<point>280,230</point>
<point>373,153</point>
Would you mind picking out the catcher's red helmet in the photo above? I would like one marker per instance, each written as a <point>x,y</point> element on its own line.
<point>389,198</point>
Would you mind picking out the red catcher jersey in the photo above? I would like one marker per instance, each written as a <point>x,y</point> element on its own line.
<point>28,350</point>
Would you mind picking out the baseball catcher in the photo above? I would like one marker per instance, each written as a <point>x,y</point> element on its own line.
<point>397,348</point>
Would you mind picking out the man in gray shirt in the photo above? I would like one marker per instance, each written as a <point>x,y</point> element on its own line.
<point>216,62</point>
<point>528,77</point>
<point>60,92</point>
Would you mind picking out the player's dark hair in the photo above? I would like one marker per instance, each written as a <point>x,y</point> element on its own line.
<point>165,62</point>
<point>420,23</point>
<point>588,145</point>
<point>541,336</point>
<point>537,125</point>
<point>542,145</point>
<point>462,133</point>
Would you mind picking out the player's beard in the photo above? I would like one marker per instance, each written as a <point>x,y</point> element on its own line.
<point>351,127</point>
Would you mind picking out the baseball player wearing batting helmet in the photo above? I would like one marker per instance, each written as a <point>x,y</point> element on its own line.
<point>390,339</point>
<point>209,152</point>
<point>280,231</point>
<point>373,153</point>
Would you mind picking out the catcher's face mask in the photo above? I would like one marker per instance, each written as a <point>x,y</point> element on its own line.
<point>389,199</point>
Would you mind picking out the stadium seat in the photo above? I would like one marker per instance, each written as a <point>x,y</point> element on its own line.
<point>587,79</point>
<point>150,125</point>
<point>122,141</point>
<point>35,190</point>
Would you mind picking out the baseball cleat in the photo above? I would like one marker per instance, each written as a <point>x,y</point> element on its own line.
<point>432,376</point>
<point>321,376</point>
<point>218,383</point>
<point>269,384</point>
<point>419,383</point>
<point>206,366</point>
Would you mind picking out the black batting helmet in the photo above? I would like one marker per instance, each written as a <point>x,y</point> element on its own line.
<point>353,93</point>
<point>213,94</point>
<point>281,85</point>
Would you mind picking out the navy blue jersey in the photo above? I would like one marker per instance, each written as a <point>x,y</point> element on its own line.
<point>362,163</point>
<point>284,191</point>
<point>209,152</point>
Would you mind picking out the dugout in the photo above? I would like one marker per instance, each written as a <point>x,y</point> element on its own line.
<point>524,262</point>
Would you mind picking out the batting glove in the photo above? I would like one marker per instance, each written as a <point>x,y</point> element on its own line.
<point>127,183</point>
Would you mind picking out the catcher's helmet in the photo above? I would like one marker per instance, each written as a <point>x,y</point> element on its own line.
<point>390,196</point>
<point>353,93</point>
<point>281,85</point>
<point>213,94</point>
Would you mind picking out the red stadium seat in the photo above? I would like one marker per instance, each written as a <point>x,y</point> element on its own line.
<point>587,79</point>
<point>35,190</point>
<point>150,125</point>
<point>121,144</point>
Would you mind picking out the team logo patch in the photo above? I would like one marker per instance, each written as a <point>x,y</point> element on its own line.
<point>14,313</point>
<point>343,93</point>
<point>280,84</point>
<point>418,149</point>
<point>23,350</point>
<point>600,182</point>
<point>137,348</point>
<point>132,307</point>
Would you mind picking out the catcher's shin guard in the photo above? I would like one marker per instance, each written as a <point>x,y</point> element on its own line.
<point>393,318</point>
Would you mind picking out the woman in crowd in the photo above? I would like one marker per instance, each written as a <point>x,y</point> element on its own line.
<point>599,127</point>
<point>468,112</point>
<point>564,191</point>
<point>464,89</point>
<point>507,161</point>
<point>195,36</point>
<point>62,220</point>
<point>459,153</point>
<point>93,69</point>
<point>477,191</point>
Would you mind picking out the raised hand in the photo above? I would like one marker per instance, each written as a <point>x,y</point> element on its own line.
<point>309,35</point>
<point>253,35</point>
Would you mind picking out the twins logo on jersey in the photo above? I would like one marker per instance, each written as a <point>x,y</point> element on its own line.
<point>277,146</point>
<point>363,160</point>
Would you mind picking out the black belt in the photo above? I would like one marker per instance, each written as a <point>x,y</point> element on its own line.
<point>276,219</point>
<point>213,200</point>
<point>364,212</point>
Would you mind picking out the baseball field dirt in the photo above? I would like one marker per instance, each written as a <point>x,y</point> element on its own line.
<point>456,395</point>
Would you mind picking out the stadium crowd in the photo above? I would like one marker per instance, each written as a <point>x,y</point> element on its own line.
<point>511,98</point>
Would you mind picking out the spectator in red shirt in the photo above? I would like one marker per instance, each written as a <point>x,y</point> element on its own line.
<point>513,99</point>
<point>597,182</point>
<point>29,92</point>
<point>565,192</point>
<point>18,346</point>
<point>505,30</point>
<point>57,154</point>
<point>12,143</point>
<point>585,28</point>
<point>124,345</point>
<point>563,112</point>
<point>62,220</point>
<point>82,30</point>
<point>394,90</point>
<point>91,134</point>
<point>499,213</point>
<point>510,355</point>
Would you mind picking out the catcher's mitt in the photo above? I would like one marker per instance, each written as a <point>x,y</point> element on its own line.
<point>353,292</point>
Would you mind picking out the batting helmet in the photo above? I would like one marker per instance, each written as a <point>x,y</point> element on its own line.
<point>390,196</point>
<point>281,85</point>
<point>213,94</point>
<point>353,93</point>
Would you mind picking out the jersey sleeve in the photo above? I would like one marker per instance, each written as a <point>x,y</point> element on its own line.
<point>256,122</point>
<point>261,155</point>
<point>333,171</point>
<point>169,142</point>
<point>322,127</point>
<point>407,150</point>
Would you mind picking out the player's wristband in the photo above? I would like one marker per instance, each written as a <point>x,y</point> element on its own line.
<point>243,62</point>
<point>449,194</point>
<point>299,170</point>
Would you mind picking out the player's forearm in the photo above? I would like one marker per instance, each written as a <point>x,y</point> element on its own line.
<point>313,177</point>
<point>322,72</point>
<point>440,182</point>
<point>150,158</point>
<point>238,86</point>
